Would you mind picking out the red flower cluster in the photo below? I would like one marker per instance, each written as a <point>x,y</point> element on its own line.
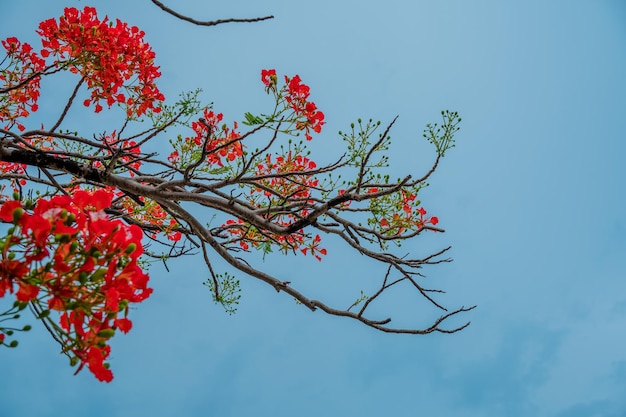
<point>107,55</point>
<point>296,94</point>
<point>411,219</point>
<point>222,142</point>
<point>151,213</point>
<point>282,178</point>
<point>433,220</point>
<point>316,251</point>
<point>21,82</point>
<point>128,152</point>
<point>84,263</point>
<point>246,235</point>
<point>288,178</point>
<point>297,98</point>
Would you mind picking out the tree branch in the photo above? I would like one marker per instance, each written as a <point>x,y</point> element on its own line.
<point>207,22</point>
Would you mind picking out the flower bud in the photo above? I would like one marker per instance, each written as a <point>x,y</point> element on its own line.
<point>20,305</point>
<point>62,238</point>
<point>130,249</point>
<point>106,333</point>
<point>17,213</point>
<point>97,275</point>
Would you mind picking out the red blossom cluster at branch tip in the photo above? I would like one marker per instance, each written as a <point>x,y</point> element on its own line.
<point>113,58</point>
<point>221,143</point>
<point>21,82</point>
<point>269,78</point>
<point>107,55</point>
<point>296,95</point>
<point>297,98</point>
<point>67,255</point>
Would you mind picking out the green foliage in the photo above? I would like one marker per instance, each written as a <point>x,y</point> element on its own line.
<point>443,136</point>
<point>225,290</point>
<point>359,300</point>
<point>359,144</point>
<point>187,106</point>
<point>252,119</point>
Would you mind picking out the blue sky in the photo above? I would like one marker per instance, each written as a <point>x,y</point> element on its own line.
<point>532,200</point>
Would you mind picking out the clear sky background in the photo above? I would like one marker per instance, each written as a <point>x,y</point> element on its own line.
<point>532,200</point>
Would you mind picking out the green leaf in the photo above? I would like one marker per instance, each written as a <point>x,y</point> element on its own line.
<point>252,119</point>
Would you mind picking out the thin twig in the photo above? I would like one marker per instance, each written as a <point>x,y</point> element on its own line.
<point>208,22</point>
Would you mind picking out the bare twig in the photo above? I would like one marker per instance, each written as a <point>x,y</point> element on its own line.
<point>207,22</point>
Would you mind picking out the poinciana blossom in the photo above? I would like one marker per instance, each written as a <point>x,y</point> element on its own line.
<point>107,55</point>
<point>104,54</point>
<point>114,60</point>
<point>21,82</point>
<point>297,97</point>
<point>269,78</point>
<point>66,255</point>
<point>295,94</point>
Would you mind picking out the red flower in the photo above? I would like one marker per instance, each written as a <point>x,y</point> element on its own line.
<point>123,324</point>
<point>55,303</point>
<point>26,292</point>
<point>268,77</point>
<point>175,236</point>
<point>95,362</point>
<point>39,227</point>
<point>297,97</point>
<point>11,269</point>
<point>7,209</point>
<point>112,300</point>
<point>93,201</point>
